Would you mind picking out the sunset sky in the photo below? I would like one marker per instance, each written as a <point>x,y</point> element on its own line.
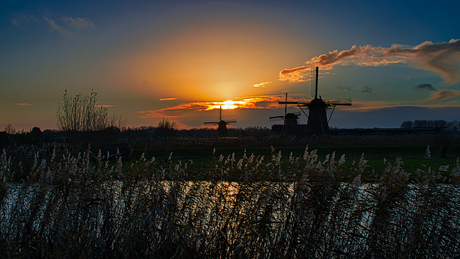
<point>149,60</point>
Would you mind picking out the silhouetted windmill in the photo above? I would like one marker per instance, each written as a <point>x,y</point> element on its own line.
<point>318,123</point>
<point>221,124</point>
<point>290,119</point>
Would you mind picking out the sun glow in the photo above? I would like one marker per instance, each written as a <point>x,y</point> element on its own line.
<point>227,105</point>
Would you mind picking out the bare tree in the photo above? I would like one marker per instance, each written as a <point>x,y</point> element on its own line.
<point>10,129</point>
<point>80,113</point>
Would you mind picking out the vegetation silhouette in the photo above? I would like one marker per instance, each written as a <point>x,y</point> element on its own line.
<point>165,128</point>
<point>84,122</point>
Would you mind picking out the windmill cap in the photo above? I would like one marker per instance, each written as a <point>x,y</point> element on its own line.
<point>291,116</point>
<point>317,103</point>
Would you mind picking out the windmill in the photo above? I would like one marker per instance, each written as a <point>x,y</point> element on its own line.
<point>221,124</point>
<point>318,122</point>
<point>290,119</point>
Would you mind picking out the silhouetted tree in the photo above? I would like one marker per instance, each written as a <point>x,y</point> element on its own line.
<point>440,123</point>
<point>10,129</point>
<point>80,113</point>
<point>165,128</point>
<point>406,125</point>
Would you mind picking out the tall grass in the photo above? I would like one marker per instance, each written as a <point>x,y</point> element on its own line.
<point>75,205</point>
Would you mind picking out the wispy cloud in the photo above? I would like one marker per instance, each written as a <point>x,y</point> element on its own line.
<point>441,58</point>
<point>366,89</point>
<point>55,27</point>
<point>77,22</point>
<point>341,88</point>
<point>441,95</point>
<point>423,87</point>
<point>63,27</point>
<point>364,106</point>
<point>16,22</point>
<point>168,99</point>
<point>173,112</point>
<point>23,104</point>
<point>20,18</point>
<point>263,84</point>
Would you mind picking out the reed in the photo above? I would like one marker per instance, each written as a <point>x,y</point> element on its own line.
<point>69,204</point>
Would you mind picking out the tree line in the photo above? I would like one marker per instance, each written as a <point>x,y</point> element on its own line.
<point>451,125</point>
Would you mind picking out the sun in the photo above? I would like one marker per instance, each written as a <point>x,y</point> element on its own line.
<point>228,105</point>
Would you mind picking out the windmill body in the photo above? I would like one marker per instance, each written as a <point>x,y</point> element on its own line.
<point>291,120</point>
<point>291,124</point>
<point>221,124</point>
<point>317,118</point>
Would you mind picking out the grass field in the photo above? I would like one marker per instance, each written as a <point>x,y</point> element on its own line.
<point>413,156</point>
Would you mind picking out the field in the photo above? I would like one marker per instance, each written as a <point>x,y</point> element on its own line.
<point>413,157</point>
<point>177,201</point>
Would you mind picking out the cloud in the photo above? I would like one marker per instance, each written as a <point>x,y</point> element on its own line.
<point>55,27</point>
<point>440,58</point>
<point>78,22</point>
<point>341,88</point>
<point>366,89</point>
<point>427,87</point>
<point>259,102</point>
<point>20,18</point>
<point>23,104</point>
<point>168,99</point>
<point>362,106</point>
<point>103,105</point>
<point>175,111</point>
<point>16,22</point>
<point>263,84</point>
<point>443,95</point>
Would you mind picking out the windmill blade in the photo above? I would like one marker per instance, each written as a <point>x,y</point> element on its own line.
<point>276,117</point>
<point>288,102</point>
<point>230,121</point>
<point>300,104</point>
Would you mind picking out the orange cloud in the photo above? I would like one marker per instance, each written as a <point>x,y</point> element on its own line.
<point>168,99</point>
<point>440,58</point>
<point>260,102</point>
<point>363,106</point>
<point>175,111</point>
<point>23,104</point>
<point>263,84</point>
<point>443,95</point>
